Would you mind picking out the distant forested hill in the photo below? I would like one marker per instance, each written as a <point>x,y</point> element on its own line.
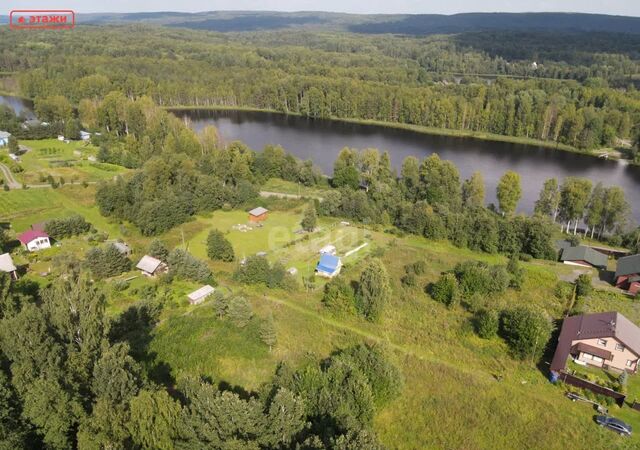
<point>418,24</point>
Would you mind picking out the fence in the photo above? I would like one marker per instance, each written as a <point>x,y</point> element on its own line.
<point>593,387</point>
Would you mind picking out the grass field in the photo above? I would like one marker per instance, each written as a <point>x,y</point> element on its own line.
<point>461,392</point>
<point>59,159</point>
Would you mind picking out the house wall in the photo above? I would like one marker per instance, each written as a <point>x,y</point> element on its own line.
<point>634,288</point>
<point>620,358</point>
<point>38,244</point>
<point>259,218</point>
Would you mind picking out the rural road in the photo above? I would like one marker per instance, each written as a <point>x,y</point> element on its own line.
<point>9,178</point>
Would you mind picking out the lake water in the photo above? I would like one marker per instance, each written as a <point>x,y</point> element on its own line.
<point>322,140</point>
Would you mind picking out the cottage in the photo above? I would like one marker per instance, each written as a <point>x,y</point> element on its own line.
<point>607,340</point>
<point>198,296</point>
<point>122,248</point>
<point>34,240</point>
<point>7,265</point>
<point>328,250</point>
<point>85,136</point>
<point>150,266</point>
<point>4,138</point>
<point>628,274</point>
<point>258,214</point>
<point>329,266</point>
<point>584,256</point>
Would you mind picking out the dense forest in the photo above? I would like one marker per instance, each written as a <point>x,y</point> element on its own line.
<point>586,103</point>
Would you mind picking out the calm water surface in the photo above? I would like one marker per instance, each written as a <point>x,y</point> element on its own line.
<point>322,140</point>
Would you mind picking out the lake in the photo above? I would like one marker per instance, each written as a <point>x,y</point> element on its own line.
<point>322,140</point>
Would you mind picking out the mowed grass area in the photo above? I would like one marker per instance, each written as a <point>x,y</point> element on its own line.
<point>59,159</point>
<point>288,187</point>
<point>460,391</point>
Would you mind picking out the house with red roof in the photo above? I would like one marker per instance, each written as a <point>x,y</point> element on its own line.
<point>34,240</point>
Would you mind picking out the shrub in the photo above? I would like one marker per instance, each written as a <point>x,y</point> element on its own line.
<point>478,277</point>
<point>239,311</point>
<point>268,332</point>
<point>218,247</point>
<point>374,290</point>
<point>516,273</point>
<point>487,322</point>
<point>257,270</point>
<point>184,265</point>
<point>107,262</point>
<point>417,268</point>
<point>526,331</point>
<point>310,219</point>
<point>409,280</point>
<point>583,285</point>
<point>339,295</point>
<point>66,227</point>
<point>445,290</point>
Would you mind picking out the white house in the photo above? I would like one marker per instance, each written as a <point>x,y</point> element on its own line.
<point>199,295</point>
<point>151,266</point>
<point>4,138</point>
<point>7,265</point>
<point>35,240</point>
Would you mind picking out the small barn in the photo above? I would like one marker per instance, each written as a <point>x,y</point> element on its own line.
<point>329,266</point>
<point>198,296</point>
<point>7,265</point>
<point>34,240</point>
<point>258,214</point>
<point>628,274</point>
<point>150,266</point>
<point>584,256</point>
<point>122,248</point>
<point>328,250</point>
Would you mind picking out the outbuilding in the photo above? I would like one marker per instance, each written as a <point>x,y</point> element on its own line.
<point>122,248</point>
<point>328,250</point>
<point>329,266</point>
<point>258,214</point>
<point>582,255</point>
<point>34,240</point>
<point>150,266</point>
<point>198,296</point>
<point>85,136</point>
<point>7,265</point>
<point>628,274</point>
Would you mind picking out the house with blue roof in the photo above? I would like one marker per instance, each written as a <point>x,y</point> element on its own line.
<point>4,138</point>
<point>329,266</point>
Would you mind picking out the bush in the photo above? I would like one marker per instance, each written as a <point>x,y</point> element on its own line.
<point>218,247</point>
<point>409,280</point>
<point>184,265</point>
<point>107,262</point>
<point>516,273</point>
<point>239,311</point>
<point>158,250</point>
<point>257,270</point>
<point>445,290</point>
<point>475,277</point>
<point>339,296</point>
<point>417,268</point>
<point>583,285</point>
<point>526,331</point>
<point>66,227</point>
<point>486,323</point>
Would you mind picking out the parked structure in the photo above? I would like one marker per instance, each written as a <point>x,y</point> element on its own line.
<point>329,266</point>
<point>328,250</point>
<point>122,248</point>
<point>150,266</point>
<point>7,265</point>
<point>4,138</point>
<point>607,340</point>
<point>584,256</point>
<point>628,274</point>
<point>198,296</point>
<point>34,240</point>
<point>85,136</point>
<point>258,214</point>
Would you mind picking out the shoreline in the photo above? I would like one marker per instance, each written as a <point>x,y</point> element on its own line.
<point>410,127</point>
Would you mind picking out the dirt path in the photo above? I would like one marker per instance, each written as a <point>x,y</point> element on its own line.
<point>9,178</point>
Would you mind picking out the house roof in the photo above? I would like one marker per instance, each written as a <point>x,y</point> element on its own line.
<point>202,292</point>
<point>592,350</point>
<point>148,264</point>
<point>590,326</point>
<point>6,263</point>
<point>584,253</point>
<point>4,134</point>
<point>30,235</point>
<point>122,247</point>
<point>258,211</point>
<point>628,265</point>
<point>328,263</point>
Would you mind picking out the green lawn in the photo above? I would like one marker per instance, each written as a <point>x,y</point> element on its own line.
<point>288,187</point>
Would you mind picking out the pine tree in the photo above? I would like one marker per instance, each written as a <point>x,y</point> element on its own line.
<point>239,311</point>
<point>310,220</point>
<point>268,332</point>
<point>218,247</point>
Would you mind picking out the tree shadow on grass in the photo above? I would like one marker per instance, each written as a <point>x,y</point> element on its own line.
<point>544,363</point>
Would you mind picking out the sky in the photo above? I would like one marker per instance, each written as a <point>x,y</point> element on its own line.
<point>617,7</point>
